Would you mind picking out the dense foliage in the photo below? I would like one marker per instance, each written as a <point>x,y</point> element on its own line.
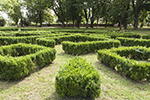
<point>75,12</point>
<point>77,38</point>
<point>134,42</point>
<point>2,22</point>
<point>132,62</point>
<point>45,42</point>
<point>19,60</point>
<point>78,78</point>
<point>77,48</point>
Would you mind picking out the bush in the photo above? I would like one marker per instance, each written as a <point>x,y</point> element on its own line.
<point>146,36</point>
<point>128,61</point>
<point>6,40</point>
<point>14,40</point>
<point>45,42</point>
<point>31,33</point>
<point>9,29</point>
<point>2,22</point>
<point>19,60</point>
<point>78,78</point>
<point>76,38</point>
<point>123,34</point>
<point>24,37</point>
<point>88,47</point>
<point>134,42</point>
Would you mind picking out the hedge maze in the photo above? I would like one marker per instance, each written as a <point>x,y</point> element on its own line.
<point>77,48</point>
<point>19,60</point>
<point>23,52</point>
<point>132,62</point>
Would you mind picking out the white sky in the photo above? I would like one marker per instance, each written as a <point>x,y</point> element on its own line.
<point>4,15</point>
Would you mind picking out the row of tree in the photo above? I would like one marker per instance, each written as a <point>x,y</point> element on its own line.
<point>77,11</point>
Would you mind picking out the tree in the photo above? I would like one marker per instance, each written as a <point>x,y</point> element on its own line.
<point>119,11</point>
<point>2,21</point>
<point>36,10</point>
<point>142,16</point>
<point>48,17</point>
<point>138,6</point>
<point>73,13</point>
<point>12,9</point>
<point>106,7</point>
<point>95,10</point>
<point>58,7</point>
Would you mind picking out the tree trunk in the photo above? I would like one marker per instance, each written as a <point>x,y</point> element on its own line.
<point>106,22</point>
<point>125,26</point>
<point>40,17</point>
<point>78,22</point>
<point>126,16</point>
<point>63,24</point>
<point>92,24</point>
<point>36,24</point>
<point>87,26</point>
<point>120,22</point>
<point>136,21</point>
<point>73,24</point>
<point>97,22</point>
<point>86,17</point>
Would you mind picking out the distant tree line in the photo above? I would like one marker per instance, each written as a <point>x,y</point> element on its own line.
<point>79,11</point>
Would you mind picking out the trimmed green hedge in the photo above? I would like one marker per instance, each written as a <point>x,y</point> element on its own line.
<point>78,78</point>
<point>88,47</point>
<point>123,34</point>
<point>76,38</point>
<point>45,42</point>
<point>14,40</point>
<point>132,62</point>
<point>146,37</point>
<point>134,42</point>
<point>9,29</point>
<point>31,33</point>
<point>19,60</point>
<point>23,39</point>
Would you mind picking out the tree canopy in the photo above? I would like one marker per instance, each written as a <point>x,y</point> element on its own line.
<point>77,11</point>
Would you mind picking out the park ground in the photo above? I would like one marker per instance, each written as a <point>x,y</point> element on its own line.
<point>40,85</point>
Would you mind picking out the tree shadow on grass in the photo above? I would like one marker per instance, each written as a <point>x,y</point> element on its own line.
<point>54,96</point>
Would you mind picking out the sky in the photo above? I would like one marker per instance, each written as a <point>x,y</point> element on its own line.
<point>4,15</point>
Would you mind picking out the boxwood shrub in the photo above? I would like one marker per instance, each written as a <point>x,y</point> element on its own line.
<point>123,34</point>
<point>46,42</point>
<point>30,33</point>
<point>146,36</point>
<point>19,60</point>
<point>77,48</point>
<point>78,78</point>
<point>77,38</point>
<point>134,42</point>
<point>132,62</point>
<point>13,38</point>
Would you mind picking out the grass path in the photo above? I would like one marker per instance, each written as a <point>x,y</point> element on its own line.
<point>40,85</point>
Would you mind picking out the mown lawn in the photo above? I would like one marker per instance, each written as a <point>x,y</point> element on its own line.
<point>40,84</point>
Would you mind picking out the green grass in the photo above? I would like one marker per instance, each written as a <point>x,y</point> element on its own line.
<point>40,84</point>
